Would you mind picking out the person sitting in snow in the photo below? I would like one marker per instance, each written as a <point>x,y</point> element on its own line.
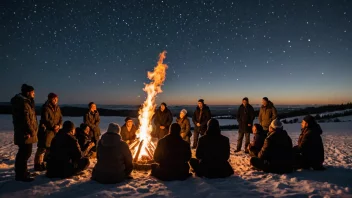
<point>212,153</point>
<point>85,141</point>
<point>276,153</point>
<point>114,158</point>
<point>172,154</point>
<point>258,140</point>
<point>309,153</point>
<point>185,125</point>
<point>66,157</point>
<point>128,131</point>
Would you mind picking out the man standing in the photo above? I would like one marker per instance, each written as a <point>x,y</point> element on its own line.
<point>245,117</point>
<point>92,119</point>
<point>25,128</point>
<point>50,123</point>
<point>267,113</point>
<point>200,119</point>
<point>162,120</point>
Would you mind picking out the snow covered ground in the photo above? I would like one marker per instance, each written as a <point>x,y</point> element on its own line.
<point>334,182</point>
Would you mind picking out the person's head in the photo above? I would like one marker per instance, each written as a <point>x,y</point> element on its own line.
<point>129,122</point>
<point>85,128</point>
<point>308,121</point>
<point>275,125</point>
<point>213,127</point>
<point>257,128</point>
<point>53,98</point>
<point>92,106</point>
<point>245,101</point>
<point>183,113</point>
<point>113,128</point>
<point>175,129</point>
<point>69,127</point>
<point>163,106</point>
<point>265,101</point>
<point>27,91</point>
<point>200,103</point>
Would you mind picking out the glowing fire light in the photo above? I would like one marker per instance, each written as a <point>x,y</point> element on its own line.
<point>146,113</point>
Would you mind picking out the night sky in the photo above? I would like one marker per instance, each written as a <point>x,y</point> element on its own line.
<point>294,52</point>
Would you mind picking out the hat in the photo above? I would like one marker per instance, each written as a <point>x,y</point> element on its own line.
<point>83,126</point>
<point>114,128</point>
<point>276,124</point>
<point>245,98</point>
<point>68,126</point>
<point>90,104</point>
<point>163,103</point>
<point>309,119</point>
<point>52,95</point>
<point>175,128</point>
<point>266,99</point>
<point>184,111</point>
<point>26,88</point>
<point>128,119</point>
<point>201,100</point>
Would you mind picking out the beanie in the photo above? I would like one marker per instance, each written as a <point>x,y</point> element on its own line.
<point>310,120</point>
<point>184,111</point>
<point>201,100</point>
<point>26,88</point>
<point>245,98</point>
<point>52,95</point>
<point>114,128</point>
<point>68,126</point>
<point>163,103</point>
<point>128,119</point>
<point>266,99</point>
<point>276,124</point>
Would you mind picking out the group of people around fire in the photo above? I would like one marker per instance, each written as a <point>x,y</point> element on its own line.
<point>64,150</point>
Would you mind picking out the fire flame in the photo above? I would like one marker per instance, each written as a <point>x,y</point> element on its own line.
<point>146,113</point>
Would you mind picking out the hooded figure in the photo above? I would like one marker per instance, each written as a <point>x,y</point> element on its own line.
<point>114,158</point>
<point>309,153</point>
<point>172,154</point>
<point>267,113</point>
<point>212,153</point>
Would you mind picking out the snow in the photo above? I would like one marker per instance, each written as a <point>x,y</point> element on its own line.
<point>334,182</point>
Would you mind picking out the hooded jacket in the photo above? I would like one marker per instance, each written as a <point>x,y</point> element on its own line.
<point>310,145</point>
<point>267,114</point>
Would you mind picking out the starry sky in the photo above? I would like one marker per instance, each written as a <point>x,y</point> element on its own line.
<point>292,51</point>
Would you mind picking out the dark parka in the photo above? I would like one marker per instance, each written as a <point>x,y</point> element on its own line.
<point>267,114</point>
<point>50,116</point>
<point>245,115</point>
<point>172,153</point>
<point>128,135</point>
<point>185,126</point>
<point>257,143</point>
<point>162,118</point>
<point>213,151</point>
<point>24,120</point>
<point>202,117</point>
<point>92,119</point>
<point>310,145</point>
<point>83,139</point>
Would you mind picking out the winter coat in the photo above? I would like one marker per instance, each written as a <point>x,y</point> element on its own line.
<point>24,120</point>
<point>65,152</point>
<point>202,117</point>
<point>172,153</point>
<point>245,115</point>
<point>267,114</point>
<point>50,116</point>
<point>128,135</point>
<point>185,127</point>
<point>92,119</point>
<point>310,145</point>
<point>114,159</point>
<point>258,140</point>
<point>213,151</point>
<point>277,150</point>
<point>83,139</point>
<point>162,118</point>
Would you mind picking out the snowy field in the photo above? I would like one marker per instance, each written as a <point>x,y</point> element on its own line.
<point>336,181</point>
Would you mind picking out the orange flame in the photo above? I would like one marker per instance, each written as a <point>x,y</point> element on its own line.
<point>146,113</point>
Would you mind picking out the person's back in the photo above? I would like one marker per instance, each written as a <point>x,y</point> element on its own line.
<point>114,159</point>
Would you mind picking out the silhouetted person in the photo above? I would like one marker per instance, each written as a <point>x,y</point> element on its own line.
<point>162,120</point>
<point>258,140</point>
<point>92,119</point>
<point>185,125</point>
<point>267,113</point>
<point>212,153</point>
<point>25,127</point>
<point>245,116</point>
<point>66,158</point>
<point>50,124</point>
<point>200,119</point>
<point>172,154</point>
<point>128,131</point>
<point>309,153</point>
<point>114,158</point>
<point>276,154</point>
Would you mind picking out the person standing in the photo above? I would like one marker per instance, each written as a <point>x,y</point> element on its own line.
<point>50,123</point>
<point>185,125</point>
<point>162,120</point>
<point>200,119</point>
<point>245,116</point>
<point>25,130</point>
<point>92,119</point>
<point>267,114</point>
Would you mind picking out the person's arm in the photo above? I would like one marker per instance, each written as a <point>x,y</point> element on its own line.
<point>169,119</point>
<point>260,116</point>
<point>274,113</point>
<point>76,152</point>
<point>49,123</point>
<point>207,117</point>
<point>60,119</point>
<point>238,115</point>
<point>97,120</point>
<point>188,153</point>
<point>87,121</point>
<point>305,141</point>
<point>194,118</point>
<point>263,154</point>
<point>188,126</point>
<point>28,124</point>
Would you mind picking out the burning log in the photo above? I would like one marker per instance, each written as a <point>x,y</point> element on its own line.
<point>142,160</point>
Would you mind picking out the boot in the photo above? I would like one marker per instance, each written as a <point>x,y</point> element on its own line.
<point>24,177</point>
<point>39,161</point>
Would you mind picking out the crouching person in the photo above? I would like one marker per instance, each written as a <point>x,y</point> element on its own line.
<point>309,153</point>
<point>114,158</point>
<point>66,157</point>
<point>172,154</point>
<point>276,154</point>
<point>212,153</point>
<point>258,140</point>
<point>85,140</point>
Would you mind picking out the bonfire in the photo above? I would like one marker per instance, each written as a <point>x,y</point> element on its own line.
<point>143,147</point>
